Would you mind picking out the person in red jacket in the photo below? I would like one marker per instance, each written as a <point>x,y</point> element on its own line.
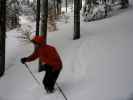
<point>50,59</point>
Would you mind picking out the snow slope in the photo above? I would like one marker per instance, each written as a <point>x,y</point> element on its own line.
<point>96,67</point>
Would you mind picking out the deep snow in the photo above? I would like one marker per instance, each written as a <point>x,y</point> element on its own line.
<point>96,67</point>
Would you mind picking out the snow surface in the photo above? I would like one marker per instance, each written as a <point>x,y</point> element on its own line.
<point>96,67</point>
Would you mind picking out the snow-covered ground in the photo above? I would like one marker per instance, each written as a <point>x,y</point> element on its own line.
<point>99,66</point>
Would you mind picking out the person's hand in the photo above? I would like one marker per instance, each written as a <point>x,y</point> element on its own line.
<point>23,60</point>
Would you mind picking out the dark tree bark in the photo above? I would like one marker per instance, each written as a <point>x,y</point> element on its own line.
<point>44,19</point>
<point>2,35</point>
<point>38,22</point>
<point>58,7</point>
<point>38,17</point>
<point>76,19</point>
<point>66,6</point>
<point>80,4</point>
<point>54,9</point>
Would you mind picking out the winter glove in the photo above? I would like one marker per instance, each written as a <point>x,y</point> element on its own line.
<point>23,60</point>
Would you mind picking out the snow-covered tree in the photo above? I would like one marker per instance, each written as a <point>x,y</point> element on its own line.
<point>29,8</point>
<point>13,10</point>
<point>96,9</point>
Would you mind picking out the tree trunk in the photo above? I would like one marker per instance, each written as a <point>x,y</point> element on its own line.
<point>54,9</point>
<point>38,23</point>
<point>66,6</point>
<point>58,9</point>
<point>80,4</point>
<point>38,17</point>
<point>76,19</point>
<point>60,6</point>
<point>44,19</point>
<point>2,35</point>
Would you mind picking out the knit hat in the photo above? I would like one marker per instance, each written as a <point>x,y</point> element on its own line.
<point>38,39</point>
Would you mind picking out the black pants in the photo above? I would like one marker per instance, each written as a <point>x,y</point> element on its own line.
<point>50,78</point>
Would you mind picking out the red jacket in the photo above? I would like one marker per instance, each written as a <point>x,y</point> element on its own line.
<point>48,55</point>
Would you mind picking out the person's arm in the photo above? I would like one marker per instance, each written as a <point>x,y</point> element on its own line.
<point>32,57</point>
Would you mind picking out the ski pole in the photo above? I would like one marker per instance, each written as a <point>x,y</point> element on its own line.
<point>33,75</point>
<point>61,91</point>
<point>39,84</point>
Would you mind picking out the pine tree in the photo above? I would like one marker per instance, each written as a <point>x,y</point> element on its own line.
<point>2,35</point>
<point>13,10</point>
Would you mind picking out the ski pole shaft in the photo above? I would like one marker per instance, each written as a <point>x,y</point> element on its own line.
<point>39,84</point>
<point>32,75</point>
<point>61,91</point>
